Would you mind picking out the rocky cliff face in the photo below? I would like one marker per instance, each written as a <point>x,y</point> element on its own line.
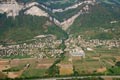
<point>12,8</point>
<point>68,22</point>
<point>35,11</point>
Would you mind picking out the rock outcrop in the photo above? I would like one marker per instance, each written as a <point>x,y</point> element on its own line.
<point>36,11</point>
<point>12,8</point>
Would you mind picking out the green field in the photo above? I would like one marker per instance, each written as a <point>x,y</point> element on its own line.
<point>33,73</point>
<point>105,58</point>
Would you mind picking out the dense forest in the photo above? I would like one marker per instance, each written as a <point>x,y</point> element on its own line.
<point>97,23</point>
<point>25,27</point>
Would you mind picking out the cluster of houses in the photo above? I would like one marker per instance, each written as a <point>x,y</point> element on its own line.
<point>93,43</point>
<point>40,47</point>
<point>74,50</point>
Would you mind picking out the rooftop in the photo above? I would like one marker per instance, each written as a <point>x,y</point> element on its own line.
<point>78,54</point>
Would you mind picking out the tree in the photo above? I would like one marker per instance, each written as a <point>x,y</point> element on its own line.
<point>118,64</point>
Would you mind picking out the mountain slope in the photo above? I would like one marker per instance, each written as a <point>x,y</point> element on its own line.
<point>94,18</point>
<point>102,22</point>
<point>26,27</point>
<point>55,13</point>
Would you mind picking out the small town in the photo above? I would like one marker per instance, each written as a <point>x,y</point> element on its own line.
<point>59,39</point>
<point>44,50</point>
<point>41,46</point>
<point>80,42</point>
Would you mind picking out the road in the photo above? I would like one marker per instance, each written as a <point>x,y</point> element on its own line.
<point>79,77</point>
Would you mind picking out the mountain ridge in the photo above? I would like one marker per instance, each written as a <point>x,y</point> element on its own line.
<point>63,24</point>
<point>66,17</point>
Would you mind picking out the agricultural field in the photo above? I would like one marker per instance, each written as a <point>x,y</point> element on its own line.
<point>97,60</point>
<point>93,63</point>
<point>24,68</point>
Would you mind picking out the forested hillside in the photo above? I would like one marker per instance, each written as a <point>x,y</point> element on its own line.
<point>26,27</point>
<point>102,22</point>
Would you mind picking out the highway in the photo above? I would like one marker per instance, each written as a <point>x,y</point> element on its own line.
<point>78,77</point>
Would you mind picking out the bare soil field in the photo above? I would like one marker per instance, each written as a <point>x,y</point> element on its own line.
<point>4,64</point>
<point>15,68</point>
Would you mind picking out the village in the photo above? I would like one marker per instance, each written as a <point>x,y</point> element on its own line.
<point>43,46</point>
<point>92,43</point>
<point>80,56</point>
